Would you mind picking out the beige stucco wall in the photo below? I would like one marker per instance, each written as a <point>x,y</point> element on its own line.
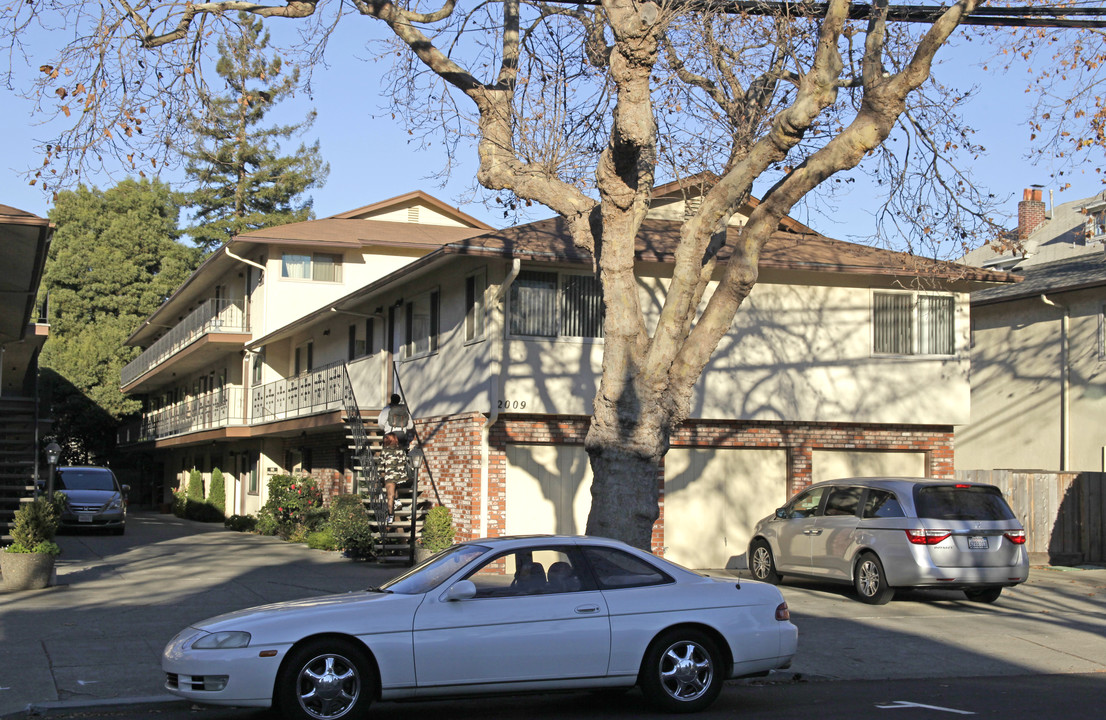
<point>1017,366</point>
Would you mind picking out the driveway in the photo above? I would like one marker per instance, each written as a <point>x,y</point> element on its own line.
<point>96,637</point>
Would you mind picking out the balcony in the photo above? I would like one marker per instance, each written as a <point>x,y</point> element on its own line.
<point>214,409</point>
<point>315,391</point>
<point>207,322</point>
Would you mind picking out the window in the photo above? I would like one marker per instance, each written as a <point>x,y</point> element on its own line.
<point>421,326</point>
<point>530,572</point>
<point>843,501</point>
<point>258,361</point>
<point>550,304</point>
<point>615,569</point>
<point>806,505</point>
<point>304,358</point>
<point>320,267</point>
<point>882,504</point>
<point>356,347</point>
<point>370,332</point>
<point>913,324</point>
<point>475,286</point>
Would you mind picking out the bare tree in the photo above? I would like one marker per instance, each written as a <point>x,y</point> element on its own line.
<point>582,108</point>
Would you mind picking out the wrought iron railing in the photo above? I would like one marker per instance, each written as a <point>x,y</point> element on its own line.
<point>311,392</point>
<point>213,316</point>
<point>371,485</point>
<point>213,409</point>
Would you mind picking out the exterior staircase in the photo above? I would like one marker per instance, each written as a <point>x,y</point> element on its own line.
<point>17,458</point>
<point>392,540</point>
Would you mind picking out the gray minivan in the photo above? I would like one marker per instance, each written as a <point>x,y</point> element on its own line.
<point>94,498</point>
<point>882,533</point>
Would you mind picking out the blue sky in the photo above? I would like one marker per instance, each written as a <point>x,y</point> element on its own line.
<point>371,160</point>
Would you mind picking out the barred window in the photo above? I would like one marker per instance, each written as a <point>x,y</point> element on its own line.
<point>913,324</point>
<point>551,304</point>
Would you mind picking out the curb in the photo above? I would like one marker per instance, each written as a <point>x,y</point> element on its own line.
<point>48,709</point>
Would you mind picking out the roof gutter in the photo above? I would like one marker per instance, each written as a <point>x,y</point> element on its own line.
<point>1065,383</point>
<point>495,390</point>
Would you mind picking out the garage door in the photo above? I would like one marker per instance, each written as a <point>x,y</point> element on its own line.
<point>548,489</point>
<point>712,499</point>
<point>833,464</point>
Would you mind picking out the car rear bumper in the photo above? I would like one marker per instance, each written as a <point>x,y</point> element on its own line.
<point>922,572</point>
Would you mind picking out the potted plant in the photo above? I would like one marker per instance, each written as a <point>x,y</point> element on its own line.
<point>28,563</point>
<point>437,533</point>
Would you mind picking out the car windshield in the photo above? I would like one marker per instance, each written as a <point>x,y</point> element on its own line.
<point>432,572</point>
<point>961,502</point>
<point>78,479</point>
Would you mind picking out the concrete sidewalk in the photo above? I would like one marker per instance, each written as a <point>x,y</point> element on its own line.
<point>96,638</point>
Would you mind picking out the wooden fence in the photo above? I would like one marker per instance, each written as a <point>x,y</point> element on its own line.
<point>1062,511</point>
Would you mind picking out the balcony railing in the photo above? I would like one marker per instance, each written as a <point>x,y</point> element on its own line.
<point>213,316</point>
<point>314,391</point>
<point>214,409</point>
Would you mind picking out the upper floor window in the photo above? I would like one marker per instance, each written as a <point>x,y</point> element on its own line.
<point>552,304</point>
<point>421,325</point>
<point>475,286</point>
<point>905,323</point>
<point>320,267</point>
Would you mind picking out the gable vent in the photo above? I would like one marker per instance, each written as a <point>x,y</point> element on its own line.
<point>413,214</point>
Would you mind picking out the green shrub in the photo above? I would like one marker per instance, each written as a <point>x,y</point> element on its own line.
<point>349,524</point>
<point>266,524</point>
<point>217,494</point>
<point>180,504</point>
<point>437,529</point>
<point>195,485</point>
<point>35,525</point>
<point>295,506</point>
<point>201,511</point>
<point>322,540</point>
<point>241,523</point>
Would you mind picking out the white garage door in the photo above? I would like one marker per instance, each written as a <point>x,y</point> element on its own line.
<point>712,499</point>
<point>548,489</point>
<point>833,464</point>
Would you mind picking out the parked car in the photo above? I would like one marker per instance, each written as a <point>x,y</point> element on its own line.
<point>884,533</point>
<point>94,498</point>
<point>501,615</point>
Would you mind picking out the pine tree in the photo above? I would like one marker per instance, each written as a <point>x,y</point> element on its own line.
<point>241,183</point>
<point>113,261</point>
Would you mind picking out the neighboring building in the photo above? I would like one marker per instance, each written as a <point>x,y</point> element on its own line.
<point>24,242</point>
<point>838,363</point>
<point>1039,347</point>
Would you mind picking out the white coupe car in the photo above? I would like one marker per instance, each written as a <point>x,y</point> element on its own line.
<point>496,615</point>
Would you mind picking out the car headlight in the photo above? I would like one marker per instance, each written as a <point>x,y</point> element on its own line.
<point>222,640</point>
<point>115,504</point>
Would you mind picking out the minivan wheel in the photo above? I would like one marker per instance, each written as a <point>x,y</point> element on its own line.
<point>983,595</point>
<point>870,581</point>
<point>761,564</point>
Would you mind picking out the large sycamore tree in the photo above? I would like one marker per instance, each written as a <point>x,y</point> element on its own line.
<point>584,108</point>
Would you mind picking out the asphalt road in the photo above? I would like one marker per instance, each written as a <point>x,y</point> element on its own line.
<point>94,641</point>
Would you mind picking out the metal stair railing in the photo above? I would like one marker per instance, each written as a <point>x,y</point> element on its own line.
<point>372,486</point>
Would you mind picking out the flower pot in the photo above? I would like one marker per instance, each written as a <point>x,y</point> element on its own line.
<point>26,571</point>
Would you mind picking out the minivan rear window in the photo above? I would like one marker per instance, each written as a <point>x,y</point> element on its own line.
<point>961,502</point>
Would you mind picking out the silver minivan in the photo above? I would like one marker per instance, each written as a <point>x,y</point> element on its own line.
<point>94,498</point>
<point>879,534</point>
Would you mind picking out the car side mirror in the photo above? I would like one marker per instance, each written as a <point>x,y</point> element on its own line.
<point>126,489</point>
<point>460,590</point>
<point>781,513</point>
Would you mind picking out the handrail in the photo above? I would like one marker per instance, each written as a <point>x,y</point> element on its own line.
<point>415,432</point>
<point>212,316</point>
<point>373,485</point>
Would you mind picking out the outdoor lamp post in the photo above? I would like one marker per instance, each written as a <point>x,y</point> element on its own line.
<point>415,459</point>
<point>53,451</point>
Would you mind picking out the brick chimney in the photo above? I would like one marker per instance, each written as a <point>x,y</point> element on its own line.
<point>1031,212</point>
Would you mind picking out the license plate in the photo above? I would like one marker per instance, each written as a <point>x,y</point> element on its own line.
<point>84,517</point>
<point>977,542</point>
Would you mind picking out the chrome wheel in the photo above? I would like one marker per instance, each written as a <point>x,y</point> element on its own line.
<point>325,680</point>
<point>682,671</point>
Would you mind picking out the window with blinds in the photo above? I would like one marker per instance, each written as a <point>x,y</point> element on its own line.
<point>320,267</point>
<point>913,324</point>
<point>552,305</point>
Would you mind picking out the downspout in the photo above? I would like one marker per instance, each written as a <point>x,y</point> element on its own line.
<point>1065,383</point>
<point>495,388</point>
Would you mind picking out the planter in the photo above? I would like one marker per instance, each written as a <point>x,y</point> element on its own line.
<point>26,571</point>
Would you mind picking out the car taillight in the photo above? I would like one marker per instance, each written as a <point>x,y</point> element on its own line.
<point>1016,536</point>
<point>782,613</point>
<point>927,537</point>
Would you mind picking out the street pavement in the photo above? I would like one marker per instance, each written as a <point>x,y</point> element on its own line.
<point>94,639</point>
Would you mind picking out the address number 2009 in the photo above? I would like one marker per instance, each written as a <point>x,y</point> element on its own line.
<point>512,404</point>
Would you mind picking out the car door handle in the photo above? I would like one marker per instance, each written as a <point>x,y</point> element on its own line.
<point>587,609</point>
<point>812,532</point>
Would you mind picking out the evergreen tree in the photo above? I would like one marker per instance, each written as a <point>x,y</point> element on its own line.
<point>241,183</point>
<point>113,260</point>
